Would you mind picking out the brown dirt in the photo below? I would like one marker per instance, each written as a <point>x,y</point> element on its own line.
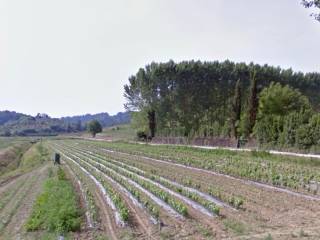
<point>14,229</point>
<point>265,211</point>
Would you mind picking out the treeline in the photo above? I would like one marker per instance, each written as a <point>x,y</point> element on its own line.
<point>205,99</point>
<point>17,124</point>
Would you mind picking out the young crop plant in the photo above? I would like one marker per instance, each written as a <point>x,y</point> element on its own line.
<point>117,166</point>
<point>179,189</point>
<point>167,198</point>
<point>115,197</point>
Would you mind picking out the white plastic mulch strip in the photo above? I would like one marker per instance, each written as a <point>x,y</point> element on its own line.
<point>130,196</point>
<point>153,197</point>
<point>248,182</point>
<point>87,213</point>
<point>193,204</point>
<point>202,194</point>
<point>103,191</point>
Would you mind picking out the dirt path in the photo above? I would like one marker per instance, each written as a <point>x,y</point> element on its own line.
<point>14,229</point>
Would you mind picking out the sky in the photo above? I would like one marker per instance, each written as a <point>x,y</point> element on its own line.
<point>70,57</point>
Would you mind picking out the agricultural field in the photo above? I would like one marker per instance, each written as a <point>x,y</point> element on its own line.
<point>126,190</point>
<point>135,191</point>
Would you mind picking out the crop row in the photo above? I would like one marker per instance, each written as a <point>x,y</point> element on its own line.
<point>112,197</point>
<point>214,191</point>
<point>291,172</point>
<point>91,208</point>
<point>189,193</point>
<point>155,190</point>
<point>152,208</point>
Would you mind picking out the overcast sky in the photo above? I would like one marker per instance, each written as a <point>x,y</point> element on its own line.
<point>66,57</point>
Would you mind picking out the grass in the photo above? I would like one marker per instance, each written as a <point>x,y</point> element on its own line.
<point>10,157</point>
<point>235,226</point>
<point>56,208</point>
<point>119,132</point>
<point>35,156</point>
<point>22,158</point>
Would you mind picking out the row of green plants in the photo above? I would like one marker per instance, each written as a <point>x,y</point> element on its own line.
<point>191,195</point>
<point>163,195</point>
<point>115,196</point>
<point>56,208</point>
<point>233,200</point>
<point>284,171</point>
<point>89,198</point>
<point>152,208</point>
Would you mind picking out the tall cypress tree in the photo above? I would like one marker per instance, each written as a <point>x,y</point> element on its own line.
<point>236,109</point>
<point>252,109</point>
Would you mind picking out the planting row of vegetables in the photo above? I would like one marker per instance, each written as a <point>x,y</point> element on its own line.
<point>134,192</point>
<point>192,191</point>
<point>284,171</point>
<point>192,194</point>
<point>90,206</point>
<point>112,198</point>
<point>131,179</point>
<point>148,204</point>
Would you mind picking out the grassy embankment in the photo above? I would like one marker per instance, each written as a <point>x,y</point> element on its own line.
<point>118,132</point>
<point>21,158</point>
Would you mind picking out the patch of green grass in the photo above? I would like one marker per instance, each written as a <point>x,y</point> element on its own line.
<point>56,208</point>
<point>205,232</point>
<point>35,156</point>
<point>235,226</point>
<point>269,237</point>
<point>119,132</point>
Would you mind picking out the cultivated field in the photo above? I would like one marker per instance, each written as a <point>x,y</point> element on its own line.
<point>134,191</point>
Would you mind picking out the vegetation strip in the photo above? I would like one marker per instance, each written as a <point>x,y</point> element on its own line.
<point>102,189</point>
<point>169,186</point>
<point>56,208</point>
<point>129,192</point>
<point>88,215</point>
<point>194,194</point>
<point>154,196</point>
<point>250,182</point>
<point>92,208</point>
<point>163,192</point>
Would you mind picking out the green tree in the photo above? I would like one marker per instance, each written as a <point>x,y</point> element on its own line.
<point>236,109</point>
<point>281,100</point>
<point>250,115</point>
<point>94,127</point>
<point>312,4</point>
<point>281,111</point>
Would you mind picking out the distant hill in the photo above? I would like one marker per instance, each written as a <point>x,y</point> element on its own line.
<point>6,116</point>
<point>104,118</point>
<point>18,124</point>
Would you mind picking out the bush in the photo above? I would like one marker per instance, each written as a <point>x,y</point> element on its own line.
<point>141,135</point>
